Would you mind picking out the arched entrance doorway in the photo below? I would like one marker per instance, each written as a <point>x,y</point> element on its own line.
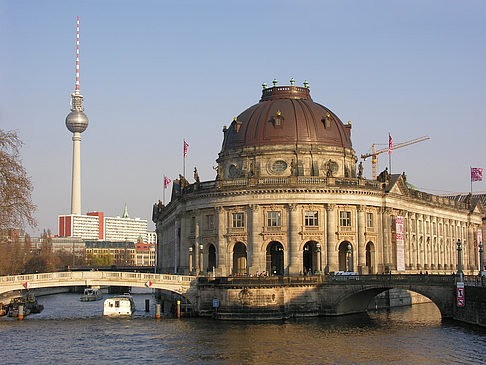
<point>345,256</point>
<point>239,259</point>
<point>370,258</point>
<point>211,258</point>
<point>275,258</point>
<point>310,258</point>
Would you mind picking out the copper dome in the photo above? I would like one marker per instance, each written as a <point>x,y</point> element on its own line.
<point>286,115</point>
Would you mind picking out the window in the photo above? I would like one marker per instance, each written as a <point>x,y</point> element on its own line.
<point>238,220</point>
<point>345,219</point>
<point>274,219</point>
<point>311,219</point>
<point>369,220</point>
<point>210,221</point>
<point>193,224</point>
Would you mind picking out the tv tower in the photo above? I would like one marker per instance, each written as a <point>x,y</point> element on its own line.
<point>76,122</point>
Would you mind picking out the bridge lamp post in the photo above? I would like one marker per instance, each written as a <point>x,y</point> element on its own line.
<point>350,257</point>
<point>319,258</point>
<point>190,259</point>
<point>481,259</point>
<point>459,262</point>
<point>201,248</point>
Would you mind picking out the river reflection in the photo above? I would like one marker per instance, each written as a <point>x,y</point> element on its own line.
<point>69,331</point>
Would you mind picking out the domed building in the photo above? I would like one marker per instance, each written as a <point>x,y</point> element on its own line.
<point>289,199</point>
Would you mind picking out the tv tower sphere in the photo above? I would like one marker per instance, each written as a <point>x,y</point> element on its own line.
<point>76,121</point>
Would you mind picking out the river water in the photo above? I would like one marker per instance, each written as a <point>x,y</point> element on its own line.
<point>72,332</point>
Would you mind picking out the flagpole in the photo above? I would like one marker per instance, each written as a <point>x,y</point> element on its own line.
<point>184,158</point>
<point>163,191</point>
<point>390,146</point>
<point>470,177</point>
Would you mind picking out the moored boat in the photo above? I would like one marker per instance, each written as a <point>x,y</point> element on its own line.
<point>91,295</point>
<point>122,305</point>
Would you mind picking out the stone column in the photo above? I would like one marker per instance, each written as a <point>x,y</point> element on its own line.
<point>293,240</point>
<point>386,238</point>
<point>411,241</point>
<point>197,242</point>
<point>332,255</point>
<point>406,238</point>
<point>182,247</point>
<point>222,268</point>
<point>160,241</point>
<point>254,240</point>
<point>361,239</point>
<point>471,248</point>
<point>420,243</point>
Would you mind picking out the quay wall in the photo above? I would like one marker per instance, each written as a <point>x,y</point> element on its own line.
<point>474,312</point>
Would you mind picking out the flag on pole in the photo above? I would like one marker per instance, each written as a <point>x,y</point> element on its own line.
<point>390,144</point>
<point>476,174</point>
<point>185,148</point>
<point>167,181</point>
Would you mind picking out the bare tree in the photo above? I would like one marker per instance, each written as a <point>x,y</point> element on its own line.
<point>16,207</point>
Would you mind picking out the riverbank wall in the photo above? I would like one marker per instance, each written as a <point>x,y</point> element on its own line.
<point>474,311</point>
<point>281,298</point>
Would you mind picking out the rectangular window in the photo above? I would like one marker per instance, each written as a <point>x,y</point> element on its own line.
<point>311,219</point>
<point>345,219</point>
<point>238,220</point>
<point>274,219</point>
<point>209,221</point>
<point>369,220</point>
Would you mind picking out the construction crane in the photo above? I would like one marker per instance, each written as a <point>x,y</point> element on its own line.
<point>375,153</point>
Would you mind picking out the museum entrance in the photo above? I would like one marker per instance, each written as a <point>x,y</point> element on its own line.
<point>370,258</point>
<point>310,264</point>
<point>275,258</point>
<point>239,259</point>
<point>345,256</point>
<point>211,258</point>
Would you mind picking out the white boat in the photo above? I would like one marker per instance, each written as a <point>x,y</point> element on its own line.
<point>90,295</point>
<point>122,305</point>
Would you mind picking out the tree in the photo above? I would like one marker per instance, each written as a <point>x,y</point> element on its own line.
<point>16,207</point>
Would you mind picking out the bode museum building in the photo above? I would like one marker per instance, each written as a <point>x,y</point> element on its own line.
<point>290,199</point>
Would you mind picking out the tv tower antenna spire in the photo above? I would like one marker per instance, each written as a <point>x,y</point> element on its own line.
<point>77,56</point>
<point>76,122</point>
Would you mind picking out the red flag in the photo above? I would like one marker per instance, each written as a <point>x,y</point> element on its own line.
<point>167,181</point>
<point>185,148</point>
<point>476,174</point>
<point>390,144</point>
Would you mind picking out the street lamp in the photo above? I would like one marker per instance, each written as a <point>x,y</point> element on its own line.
<point>481,259</point>
<point>350,257</point>
<point>190,259</point>
<point>319,259</point>
<point>201,248</point>
<point>459,263</point>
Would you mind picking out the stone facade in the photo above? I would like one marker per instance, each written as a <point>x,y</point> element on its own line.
<point>282,206</point>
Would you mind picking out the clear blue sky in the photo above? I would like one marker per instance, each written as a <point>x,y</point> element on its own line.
<point>155,72</point>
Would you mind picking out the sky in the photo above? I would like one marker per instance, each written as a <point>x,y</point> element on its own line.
<point>154,73</point>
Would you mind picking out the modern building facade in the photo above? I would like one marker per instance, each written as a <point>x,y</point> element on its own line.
<point>120,253</point>
<point>95,226</point>
<point>289,199</point>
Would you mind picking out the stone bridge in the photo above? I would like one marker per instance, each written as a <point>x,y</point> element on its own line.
<point>258,298</point>
<point>284,297</point>
<point>183,285</point>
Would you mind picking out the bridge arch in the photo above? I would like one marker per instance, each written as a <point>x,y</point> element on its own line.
<point>179,284</point>
<point>358,299</point>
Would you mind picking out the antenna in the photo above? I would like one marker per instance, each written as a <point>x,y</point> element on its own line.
<point>77,56</point>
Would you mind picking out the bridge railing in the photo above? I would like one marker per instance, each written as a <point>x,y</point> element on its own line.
<point>95,275</point>
<point>316,279</point>
<point>474,280</point>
